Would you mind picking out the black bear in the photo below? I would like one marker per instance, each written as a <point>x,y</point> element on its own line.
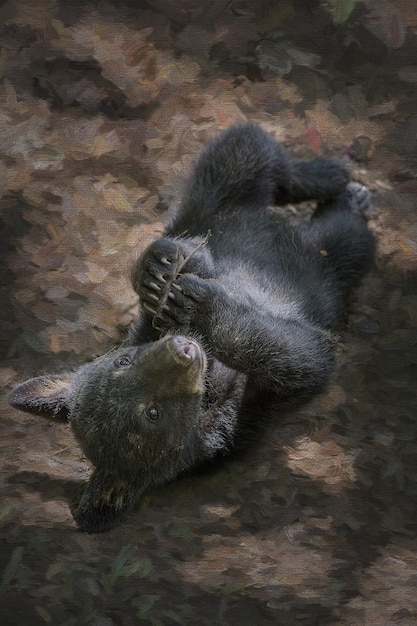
<point>237,313</point>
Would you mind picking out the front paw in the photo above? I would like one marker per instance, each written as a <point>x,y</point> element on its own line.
<point>155,273</point>
<point>188,296</point>
<point>106,498</point>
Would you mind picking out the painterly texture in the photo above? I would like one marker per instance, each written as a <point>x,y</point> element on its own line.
<point>234,326</point>
<point>104,109</point>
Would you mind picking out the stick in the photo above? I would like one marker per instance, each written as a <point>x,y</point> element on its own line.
<point>185,260</point>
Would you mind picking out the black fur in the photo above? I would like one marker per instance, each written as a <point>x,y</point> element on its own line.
<point>233,330</point>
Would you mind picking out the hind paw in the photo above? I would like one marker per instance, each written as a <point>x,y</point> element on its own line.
<point>359,200</point>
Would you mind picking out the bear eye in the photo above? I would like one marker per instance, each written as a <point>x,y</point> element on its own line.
<point>152,414</point>
<point>122,361</point>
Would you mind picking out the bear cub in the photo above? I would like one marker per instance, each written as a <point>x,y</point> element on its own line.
<point>235,327</point>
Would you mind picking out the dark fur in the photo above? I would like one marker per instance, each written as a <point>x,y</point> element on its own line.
<point>232,340</point>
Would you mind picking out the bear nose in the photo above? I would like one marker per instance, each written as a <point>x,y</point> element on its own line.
<point>184,349</point>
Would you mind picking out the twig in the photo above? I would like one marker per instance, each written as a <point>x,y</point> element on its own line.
<point>168,286</point>
<point>202,243</point>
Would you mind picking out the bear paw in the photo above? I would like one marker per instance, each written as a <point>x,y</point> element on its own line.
<point>185,298</point>
<point>154,276</point>
<point>358,200</point>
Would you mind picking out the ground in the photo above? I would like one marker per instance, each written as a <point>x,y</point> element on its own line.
<point>104,109</point>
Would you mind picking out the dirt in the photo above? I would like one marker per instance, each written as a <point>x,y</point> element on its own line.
<point>104,109</point>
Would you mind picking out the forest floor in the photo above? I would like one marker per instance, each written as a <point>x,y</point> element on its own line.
<point>105,107</point>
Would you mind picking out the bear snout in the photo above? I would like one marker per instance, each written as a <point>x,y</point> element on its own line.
<point>185,350</point>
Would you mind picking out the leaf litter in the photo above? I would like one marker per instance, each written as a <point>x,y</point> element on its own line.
<point>104,109</point>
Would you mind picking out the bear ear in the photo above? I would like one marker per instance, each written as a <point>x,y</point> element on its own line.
<point>107,497</point>
<point>44,395</point>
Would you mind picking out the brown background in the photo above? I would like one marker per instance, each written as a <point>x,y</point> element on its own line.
<point>104,109</point>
